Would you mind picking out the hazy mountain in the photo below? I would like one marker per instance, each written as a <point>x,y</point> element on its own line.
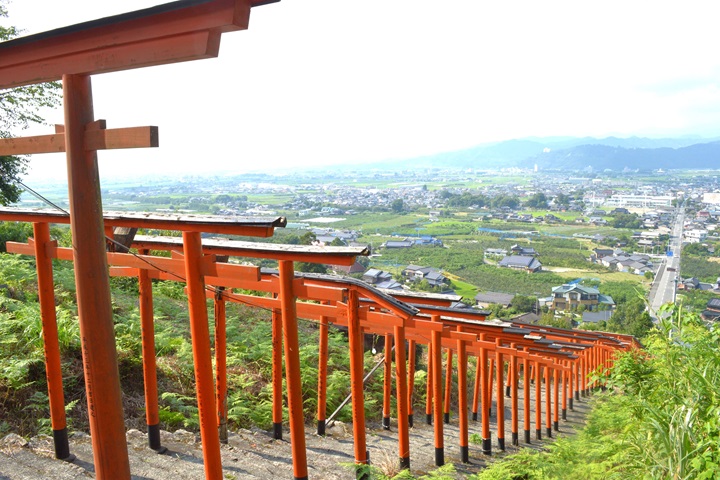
<point>576,154</point>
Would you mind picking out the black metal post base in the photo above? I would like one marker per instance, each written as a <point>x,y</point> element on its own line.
<point>439,457</point>
<point>447,417</point>
<point>527,436</point>
<point>465,454</point>
<point>410,421</point>
<point>428,419</point>
<point>62,445</point>
<point>548,432</point>
<point>386,423</point>
<point>538,434</point>
<point>501,444</point>
<point>277,431</point>
<point>154,438</point>
<point>507,391</point>
<point>404,463</point>
<point>301,478</point>
<point>564,414</point>
<point>321,428</point>
<point>556,426</point>
<point>570,403</point>
<point>474,416</point>
<point>515,439</point>
<point>577,395</point>
<point>486,446</point>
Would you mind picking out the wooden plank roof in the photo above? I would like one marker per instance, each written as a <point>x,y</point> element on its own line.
<point>250,226</point>
<point>223,246</point>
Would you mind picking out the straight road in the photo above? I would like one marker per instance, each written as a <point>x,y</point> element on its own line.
<point>665,284</point>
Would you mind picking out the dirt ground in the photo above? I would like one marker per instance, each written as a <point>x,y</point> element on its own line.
<point>253,454</point>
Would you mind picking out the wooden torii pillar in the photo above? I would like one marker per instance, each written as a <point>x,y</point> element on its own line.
<point>173,32</point>
<point>80,138</point>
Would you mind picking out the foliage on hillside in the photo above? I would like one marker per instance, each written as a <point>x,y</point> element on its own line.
<point>661,419</point>
<point>699,266</point>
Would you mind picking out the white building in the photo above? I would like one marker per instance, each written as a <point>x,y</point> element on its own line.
<point>642,201</point>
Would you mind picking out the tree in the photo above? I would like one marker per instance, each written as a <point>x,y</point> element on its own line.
<point>522,303</point>
<point>19,107</point>
<point>538,200</point>
<point>397,205</point>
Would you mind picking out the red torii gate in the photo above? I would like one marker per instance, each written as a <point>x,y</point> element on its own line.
<point>180,31</point>
<point>359,307</point>
<point>173,32</point>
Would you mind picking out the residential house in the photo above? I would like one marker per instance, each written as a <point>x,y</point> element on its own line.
<point>527,251</point>
<point>597,316</point>
<point>601,253</point>
<point>521,262</point>
<point>570,297</point>
<point>348,270</point>
<point>495,252</point>
<point>484,300</point>
<point>374,276</point>
<point>398,244</point>
<point>416,273</point>
<point>712,309</point>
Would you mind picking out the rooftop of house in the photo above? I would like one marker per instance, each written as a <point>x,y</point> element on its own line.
<point>519,261</point>
<point>494,297</point>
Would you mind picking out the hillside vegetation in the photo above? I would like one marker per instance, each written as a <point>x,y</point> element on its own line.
<point>660,419</point>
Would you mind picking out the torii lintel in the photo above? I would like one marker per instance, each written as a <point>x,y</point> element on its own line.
<point>169,33</point>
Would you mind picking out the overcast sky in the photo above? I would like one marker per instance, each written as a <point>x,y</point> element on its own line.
<point>340,81</point>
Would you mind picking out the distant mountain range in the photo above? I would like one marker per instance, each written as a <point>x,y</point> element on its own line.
<point>567,153</point>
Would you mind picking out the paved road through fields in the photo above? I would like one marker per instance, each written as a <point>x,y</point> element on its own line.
<point>665,284</point>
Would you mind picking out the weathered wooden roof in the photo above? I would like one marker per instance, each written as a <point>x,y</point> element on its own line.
<point>251,226</point>
<point>223,246</point>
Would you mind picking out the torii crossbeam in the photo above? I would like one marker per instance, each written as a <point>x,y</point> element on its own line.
<point>174,32</point>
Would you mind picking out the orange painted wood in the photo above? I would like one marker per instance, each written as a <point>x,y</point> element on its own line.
<point>526,398</point>
<point>556,396</point>
<point>202,357</point>
<point>221,363</point>
<point>412,351</point>
<point>485,395</point>
<point>538,401</point>
<point>448,382</point>
<point>402,398</point>
<point>355,341</point>
<point>476,389</point>
<point>322,372</point>
<point>51,347</point>
<point>462,397</point>
<point>97,334</point>
<point>277,352</point>
<point>548,402</point>
<point>513,381</point>
<point>437,394</point>
<point>155,36</point>
<point>147,322</point>
<point>292,369</point>
<point>387,379</point>
<point>500,399</point>
<point>429,385</point>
